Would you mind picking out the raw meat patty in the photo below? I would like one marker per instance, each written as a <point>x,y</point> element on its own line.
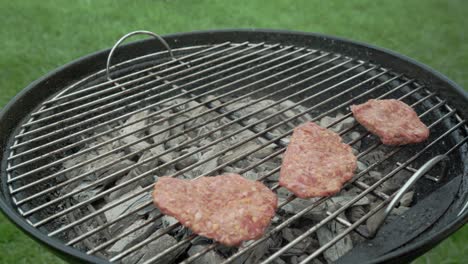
<point>316,162</point>
<point>395,122</point>
<point>227,208</point>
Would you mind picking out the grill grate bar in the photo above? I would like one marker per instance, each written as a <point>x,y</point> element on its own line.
<point>84,106</point>
<point>63,96</point>
<point>185,155</point>
<point>165,100</point>
<point>119,86</point>
<point>100,108</point>
<point>143,138</point>
<point>141,244</point>
<point>357,198</point>
<point>361,195</point>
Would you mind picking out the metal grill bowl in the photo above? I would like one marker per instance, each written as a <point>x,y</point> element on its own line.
<point>51,120</point>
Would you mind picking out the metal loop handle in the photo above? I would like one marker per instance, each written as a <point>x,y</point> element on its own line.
<point>411,181</point>
<point>143,32</point>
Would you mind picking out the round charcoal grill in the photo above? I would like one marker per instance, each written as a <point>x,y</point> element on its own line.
<point>83,146</point>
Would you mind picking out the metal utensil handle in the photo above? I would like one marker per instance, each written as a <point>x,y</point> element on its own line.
<point>411,181</point>
<point>143,32</point>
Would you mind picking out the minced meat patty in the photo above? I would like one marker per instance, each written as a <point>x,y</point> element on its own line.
<point>316,162</point>
<point>227,208</point>
<point>393,121</point>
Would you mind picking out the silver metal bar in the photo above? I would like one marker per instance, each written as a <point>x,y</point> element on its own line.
<point>122,39</point>
<point>244,154</point>
<point>411,181</point>
<point>62,96</point>
<point>358,197</point>
<point>175,160</point>
<point>168,250</point>
<point>115,87</point>
<point>150,75</point>
<point>168,99</point>
<point>151,135</point>
<point>100,108</point>
<point>198,254</point>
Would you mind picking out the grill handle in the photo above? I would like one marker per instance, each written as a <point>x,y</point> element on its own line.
<point>411,181</point>
<point>138,32</point>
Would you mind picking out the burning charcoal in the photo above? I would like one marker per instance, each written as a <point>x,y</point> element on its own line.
<point>128,187</point>
<point>124,207</point>
<point>239,151</point>
<point>168,221</point>
<point>263,152</point>
<point>132,238</point>
<point>289,234</point>
<point>301,258</point>
<point>178,130</point>
<point>195,157</point>
<point>295,110</point>
<point>230,169</point>
<point>159,137</point>
<point>254,256</point>
<point>200,240</point>
<point>134,147</point>
<point>278,261</point>
<point>341,247</point>
<point>319,212</point>
<point>74,161</point>
<point>139,125</point>
<point>86,194</point>
<point>214,103</point>
<point>356,212</point>
<point>361,166</point>
<point>251,175</point>
<point>351,137</point>
<point>326,121</point>
<point>209,257</point>
<point>297,205</point>
<point>154,248</point>
<point>259,125</point>
<point>207,166</point>
<point>395,182</point>
<point>106,147</point>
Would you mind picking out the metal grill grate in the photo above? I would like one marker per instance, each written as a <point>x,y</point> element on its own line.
<point>211,78</point>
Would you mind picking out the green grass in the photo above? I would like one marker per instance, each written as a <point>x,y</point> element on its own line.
<point>38,36</point>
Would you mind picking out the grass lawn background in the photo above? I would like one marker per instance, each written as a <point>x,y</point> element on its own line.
<point>38,36</point>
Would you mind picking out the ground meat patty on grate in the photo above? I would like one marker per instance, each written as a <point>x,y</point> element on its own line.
<point>227,208</point>
<point>316,162</point>
<point>395,122</point>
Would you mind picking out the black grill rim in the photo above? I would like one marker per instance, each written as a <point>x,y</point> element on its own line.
<point>27,100</point>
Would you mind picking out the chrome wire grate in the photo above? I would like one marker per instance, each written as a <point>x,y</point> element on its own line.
<point>94,114</point>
